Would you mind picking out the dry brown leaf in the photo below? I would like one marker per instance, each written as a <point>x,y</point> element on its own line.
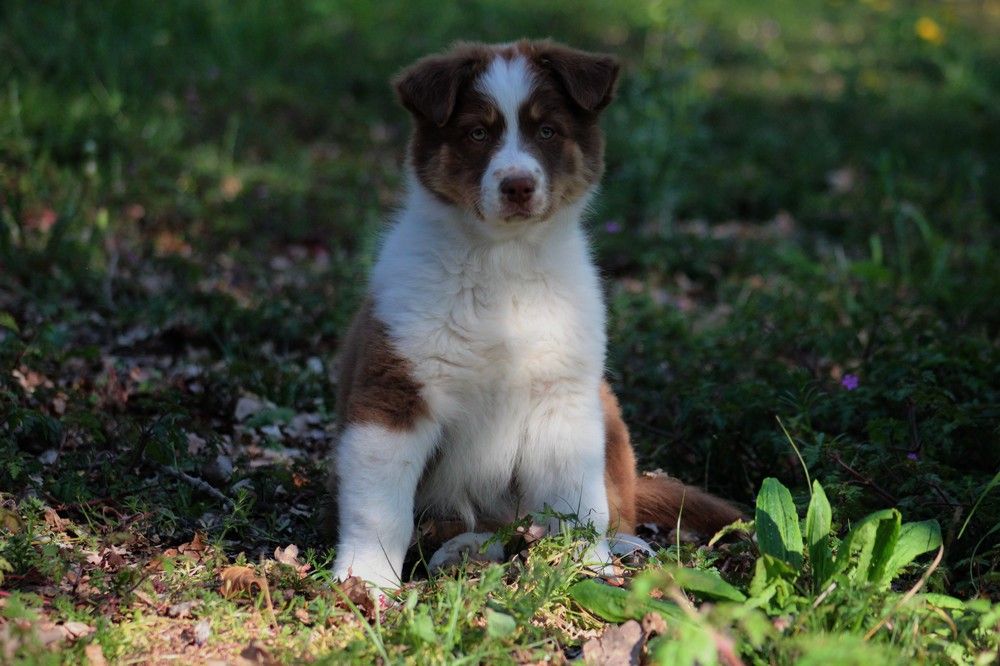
<point>653,624</point>
<point>255,653</point>
<point>290,557</point>
<point>53,520</point>
<point>618,645</point>
<point>48,633</point>
<point>239,579</point>
<point>183,609</point>
<point>73,630</point>
<point>94,654</point>
<point>196,545</point>
<point>357,591</point>
<point>199,633</point>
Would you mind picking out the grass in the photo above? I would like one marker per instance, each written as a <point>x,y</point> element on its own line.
<point>799,222</point>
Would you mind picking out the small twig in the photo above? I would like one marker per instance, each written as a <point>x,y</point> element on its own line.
<point>200,484</point>
<point>822,597</point>
<point>863,479</point>
<point>909,595</point>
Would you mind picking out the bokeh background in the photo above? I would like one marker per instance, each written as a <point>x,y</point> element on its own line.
<point>799,222</point>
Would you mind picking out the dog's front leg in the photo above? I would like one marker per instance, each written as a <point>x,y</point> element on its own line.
<point>562,468</point>
<point>378,469</point>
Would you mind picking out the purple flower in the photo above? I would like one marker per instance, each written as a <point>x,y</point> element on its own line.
<point>850,382</point>
<point>912,455</point>
<point>612,226</point>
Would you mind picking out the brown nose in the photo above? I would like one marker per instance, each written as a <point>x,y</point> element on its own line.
<point>517,189</point>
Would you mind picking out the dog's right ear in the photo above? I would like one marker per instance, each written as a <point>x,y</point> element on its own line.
<point>429,87</point>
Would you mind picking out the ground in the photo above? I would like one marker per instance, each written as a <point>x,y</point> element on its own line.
<point>798,233</point>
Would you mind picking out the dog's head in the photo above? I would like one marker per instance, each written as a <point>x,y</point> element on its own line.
<point>508,133</point>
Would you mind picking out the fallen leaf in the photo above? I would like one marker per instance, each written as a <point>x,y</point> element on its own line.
<point>73,630</point>
<point>357,591</point>
<point>255,653</point>
<point>616,646</point>
<point>53,520</point>
<point>248,405</point>
<point>199,634</point>
<point>287,555</point>
<point>653,624</point>
<point>30,380</point>
<point>112,560</point>
<point>167,244</point>
<point>239,579</point>
<point>196,545</point>
<point>146,599</point>
<point>94,654</point>
<point>48,633</point>
<point>195,443</point>
<point>183,609</point>
<point>290,557</point>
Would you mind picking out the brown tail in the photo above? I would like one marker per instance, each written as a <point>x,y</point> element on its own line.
<point>659,499</point>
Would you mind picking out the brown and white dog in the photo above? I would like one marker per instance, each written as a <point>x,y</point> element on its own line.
<point>472,381</point>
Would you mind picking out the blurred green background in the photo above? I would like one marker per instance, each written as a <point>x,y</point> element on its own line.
<point>799,220</point>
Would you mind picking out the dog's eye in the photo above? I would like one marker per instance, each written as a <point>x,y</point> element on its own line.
<point>478,134</point>
<point>546,132</point>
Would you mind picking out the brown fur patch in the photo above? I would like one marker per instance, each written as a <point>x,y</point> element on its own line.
<point>430,87</point>
<point>619,465</point>
<point>376,384</point>
<point>447,160</point>
<point>589,79</point>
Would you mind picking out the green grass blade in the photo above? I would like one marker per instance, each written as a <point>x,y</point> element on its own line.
<point>989,486</point>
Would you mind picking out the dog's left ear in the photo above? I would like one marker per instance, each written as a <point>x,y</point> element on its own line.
<point>429,87</point>
<point>589,78</point>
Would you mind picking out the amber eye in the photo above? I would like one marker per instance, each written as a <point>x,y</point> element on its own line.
<point>546,132</point>
<point>478,134</point>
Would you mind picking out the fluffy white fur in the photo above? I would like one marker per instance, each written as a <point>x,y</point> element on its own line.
<point>503,324</point>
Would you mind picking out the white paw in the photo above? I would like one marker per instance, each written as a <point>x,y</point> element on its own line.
<point>624,545</point>
<point>374,571</point>
<point>468,545</point>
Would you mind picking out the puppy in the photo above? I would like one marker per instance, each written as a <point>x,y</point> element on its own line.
<point>472,378</point>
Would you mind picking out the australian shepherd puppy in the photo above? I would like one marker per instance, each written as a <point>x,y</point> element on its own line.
<point>472,380</point>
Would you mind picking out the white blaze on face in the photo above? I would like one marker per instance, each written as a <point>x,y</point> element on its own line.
<point>514,184</point>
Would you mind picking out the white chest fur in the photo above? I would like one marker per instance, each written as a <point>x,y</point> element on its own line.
<point>496,332</point>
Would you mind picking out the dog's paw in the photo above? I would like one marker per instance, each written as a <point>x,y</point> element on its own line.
<point>624,545</point>
<point>468,545</point>
<point>375,572</point>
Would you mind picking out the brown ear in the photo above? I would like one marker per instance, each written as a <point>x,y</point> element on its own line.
<point>429,87</point>
<point>589,78</point>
